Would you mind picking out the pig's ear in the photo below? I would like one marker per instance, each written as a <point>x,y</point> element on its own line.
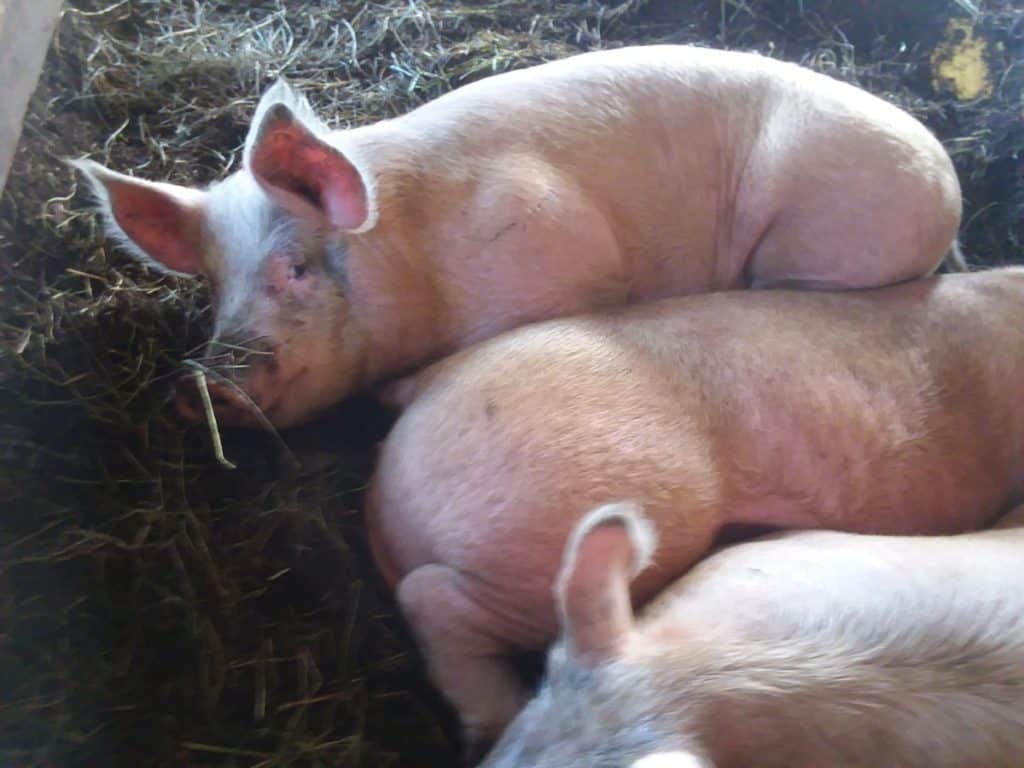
<point>282,93</point>
<point>287,155</point>
<point>606,550</point>
<point>160,224</point>
<point>671,760</point>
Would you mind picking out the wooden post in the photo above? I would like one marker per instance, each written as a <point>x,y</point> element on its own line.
<point>26,27</point>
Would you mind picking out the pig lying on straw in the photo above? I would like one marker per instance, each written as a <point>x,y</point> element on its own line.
<point>338,259</point>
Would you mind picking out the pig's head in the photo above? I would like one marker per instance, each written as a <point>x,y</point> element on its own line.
<point>593,709</point>
<point>272,240</point>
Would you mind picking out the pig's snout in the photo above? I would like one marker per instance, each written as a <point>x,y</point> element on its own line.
<point>227,406</point>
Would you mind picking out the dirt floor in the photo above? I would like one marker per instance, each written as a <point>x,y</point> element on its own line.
<point>159,609</point>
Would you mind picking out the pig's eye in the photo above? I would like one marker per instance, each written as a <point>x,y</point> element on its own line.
<point>298,271</point>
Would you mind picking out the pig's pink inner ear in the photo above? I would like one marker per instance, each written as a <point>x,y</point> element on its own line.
<point>594,592</point>
<point>305,174</point>
<point>164,227</point>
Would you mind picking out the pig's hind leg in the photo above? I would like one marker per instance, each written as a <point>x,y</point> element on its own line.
<point>467,656</point>
<point>837,205</point>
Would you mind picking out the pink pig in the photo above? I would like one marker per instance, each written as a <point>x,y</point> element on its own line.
<point>344,258</point>
<point>803,650</point>
<point>891,411</point>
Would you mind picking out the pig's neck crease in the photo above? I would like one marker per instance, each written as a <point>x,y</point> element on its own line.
<point>409,330</point>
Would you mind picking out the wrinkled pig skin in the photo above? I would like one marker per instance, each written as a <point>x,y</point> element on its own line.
<point>889,411</point>
<point>338,259</point>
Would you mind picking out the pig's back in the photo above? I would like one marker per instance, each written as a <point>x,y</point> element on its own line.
<point>889,411</point>
<point>703,83</point>
<point>690,154</point>
<point>701,409</point>
<point>856,596</point>
<point>510,443</point>
<point>833,646</point>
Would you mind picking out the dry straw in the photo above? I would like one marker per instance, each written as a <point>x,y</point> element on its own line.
<point>158,608</point>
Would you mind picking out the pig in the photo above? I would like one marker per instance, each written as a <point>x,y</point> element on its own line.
<point>342,259</point>
<point>885,411</point>
<point>802,650</point>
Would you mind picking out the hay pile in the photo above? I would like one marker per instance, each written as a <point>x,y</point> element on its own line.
<point>159,609</point>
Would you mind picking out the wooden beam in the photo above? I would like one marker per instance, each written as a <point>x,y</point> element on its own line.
<point>26,28</point>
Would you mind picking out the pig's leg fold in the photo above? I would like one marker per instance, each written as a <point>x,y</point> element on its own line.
<point>817,250</point>
<point>465,656</point>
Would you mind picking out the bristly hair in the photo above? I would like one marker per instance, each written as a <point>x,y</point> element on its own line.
<point>281,93</point>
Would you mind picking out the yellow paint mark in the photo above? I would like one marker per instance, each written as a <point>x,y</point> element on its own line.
<point>958,62</point>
